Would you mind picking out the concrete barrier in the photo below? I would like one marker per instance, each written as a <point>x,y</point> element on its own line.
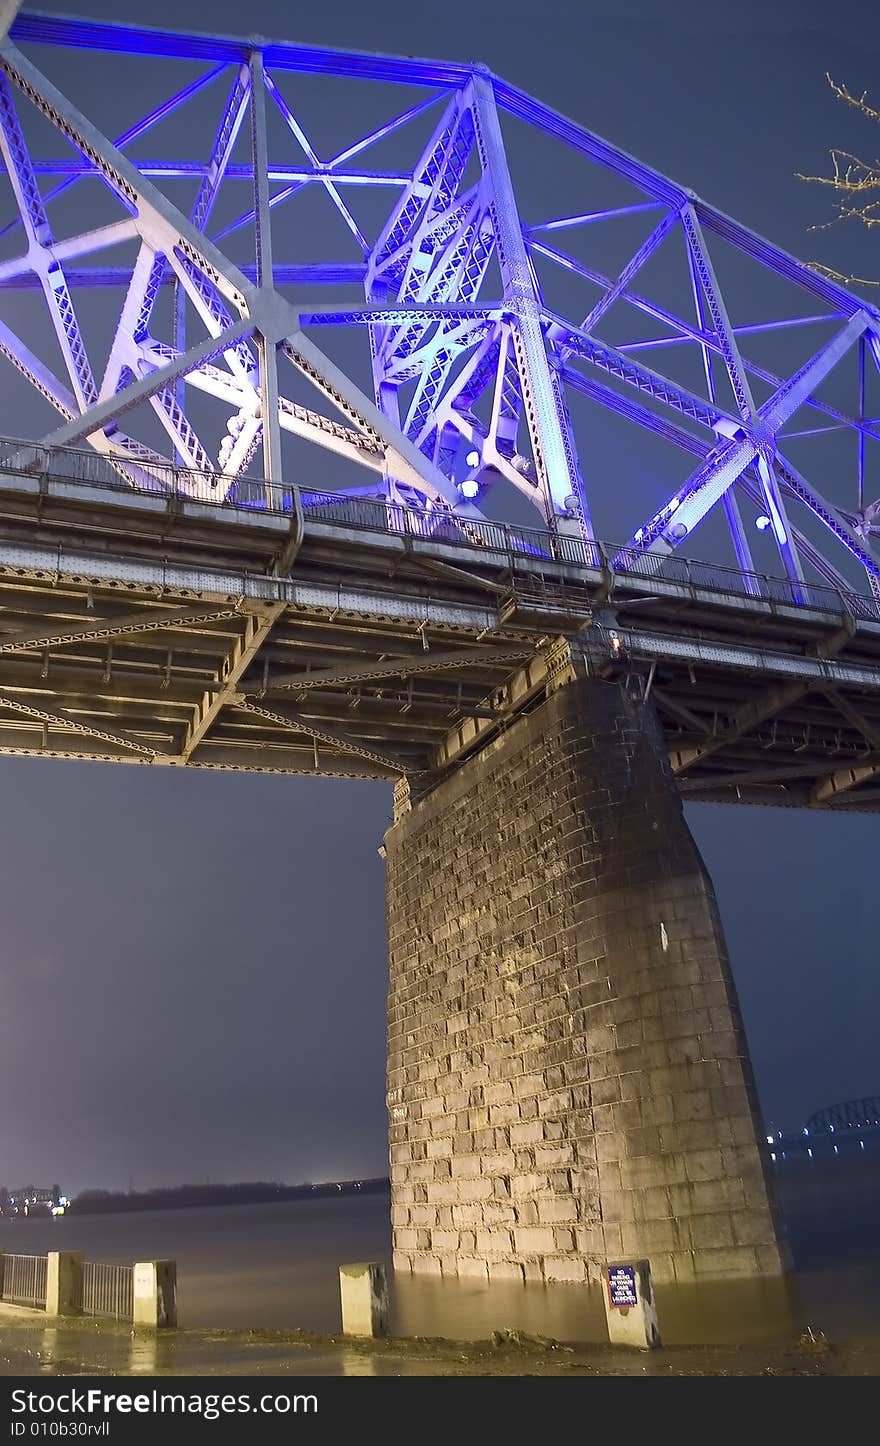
<point>155,1293</point>
<point>364,1293</point>
<point>64,1273</point>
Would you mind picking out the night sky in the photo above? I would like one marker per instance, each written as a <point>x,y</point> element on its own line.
<point>192,969</point>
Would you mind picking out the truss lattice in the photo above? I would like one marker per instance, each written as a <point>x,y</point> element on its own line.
<point>509,352</point>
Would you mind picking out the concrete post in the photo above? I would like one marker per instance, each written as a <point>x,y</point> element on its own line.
<point>364,1292</point>
<point>630,1308</point>
<point>64,1273</point>
<point>155,1293</point>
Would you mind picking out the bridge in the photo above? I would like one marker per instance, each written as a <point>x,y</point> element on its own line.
<point>325,514</point>
<point>849,1115</point>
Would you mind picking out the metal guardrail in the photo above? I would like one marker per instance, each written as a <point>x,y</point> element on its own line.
<point>128,473</point>
<point>24,1280</point>
<point>108,1290</point>
<point>512,543</point>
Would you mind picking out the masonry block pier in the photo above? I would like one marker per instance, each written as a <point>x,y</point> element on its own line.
<point>568,1078</point>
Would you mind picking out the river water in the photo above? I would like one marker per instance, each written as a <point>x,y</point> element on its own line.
<point>275,1266</point>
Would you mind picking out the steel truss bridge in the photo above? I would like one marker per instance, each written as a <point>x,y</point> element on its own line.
<point>274,517</point>
<point>851,1115</point>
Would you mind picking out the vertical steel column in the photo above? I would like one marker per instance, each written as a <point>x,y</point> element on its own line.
<point>263,243</point>
<point>731,505</point>
<point>724,334</point>
<point>546,412</point>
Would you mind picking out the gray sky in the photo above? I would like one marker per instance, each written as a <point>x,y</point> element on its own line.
<point>192,968</point>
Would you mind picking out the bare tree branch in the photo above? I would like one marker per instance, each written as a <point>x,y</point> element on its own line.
<point>852,176</point>
<point>859,103</point>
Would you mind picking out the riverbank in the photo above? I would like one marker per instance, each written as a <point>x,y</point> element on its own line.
<point>31,1347</point>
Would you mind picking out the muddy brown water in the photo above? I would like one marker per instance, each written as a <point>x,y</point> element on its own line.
<point>275,1267</point>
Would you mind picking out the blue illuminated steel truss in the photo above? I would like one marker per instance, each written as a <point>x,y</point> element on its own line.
<point>474,372</point>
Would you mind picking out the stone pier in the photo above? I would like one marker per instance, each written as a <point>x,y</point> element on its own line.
<point>568,1078</point>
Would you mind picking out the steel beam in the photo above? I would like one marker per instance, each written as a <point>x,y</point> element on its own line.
<point>409,666</point>
<point>62,718</point>
<point>843,780</point>
<point>334,737</point>
<point>869,731</point>
<point>127,625</point>
<point>553,445</point>
<point>257,626</point>
<point>775,700</point>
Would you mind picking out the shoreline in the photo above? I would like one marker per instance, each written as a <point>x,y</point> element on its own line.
<point>30,1344</point>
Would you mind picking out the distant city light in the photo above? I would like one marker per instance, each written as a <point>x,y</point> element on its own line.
<point>769,1139</point>
<point>473,459</point>
<point>470,487</point>
<point>762,522</point>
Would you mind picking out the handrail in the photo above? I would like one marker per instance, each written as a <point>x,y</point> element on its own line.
<point>513,544</point>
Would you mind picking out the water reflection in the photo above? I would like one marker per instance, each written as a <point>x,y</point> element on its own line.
<point>718,1313</point>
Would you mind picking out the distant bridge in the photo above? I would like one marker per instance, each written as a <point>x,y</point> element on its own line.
<point>850,1115</point>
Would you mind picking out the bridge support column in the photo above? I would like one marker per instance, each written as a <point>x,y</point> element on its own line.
<point>568,1078</point>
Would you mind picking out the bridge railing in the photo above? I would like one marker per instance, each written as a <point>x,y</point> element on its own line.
<point>23,1280</point>
<point>108,1290</point>
<point>503,541</point>
<point>127,473</point>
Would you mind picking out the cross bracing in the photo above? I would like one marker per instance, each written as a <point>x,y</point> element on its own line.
<point>330,414</point>
<point>492,334</point>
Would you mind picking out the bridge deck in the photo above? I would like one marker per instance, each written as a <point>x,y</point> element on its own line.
<point>151,629</point>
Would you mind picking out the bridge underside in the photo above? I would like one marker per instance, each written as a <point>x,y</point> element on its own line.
<point>146,630</point>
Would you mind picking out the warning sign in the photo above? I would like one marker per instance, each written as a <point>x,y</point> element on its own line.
<point>622,1286</point>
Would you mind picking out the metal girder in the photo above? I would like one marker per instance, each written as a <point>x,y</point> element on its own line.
<point>869,731</point>
<point>543,670</point>
<point>257,626</point>
<point>772,701</point>
<point>677,711</point>
<point>842,780</point>
<point>8,11</point>
<point>739,657</point>
<point>127,625</point>
<point>334,737</point>
<point>678,518</point>
<point>403,459</point>
<point>553,445</point>
<point>747,777</point>
<point>408,666</point>
<point>299,763</point>
<point>62,718</point>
